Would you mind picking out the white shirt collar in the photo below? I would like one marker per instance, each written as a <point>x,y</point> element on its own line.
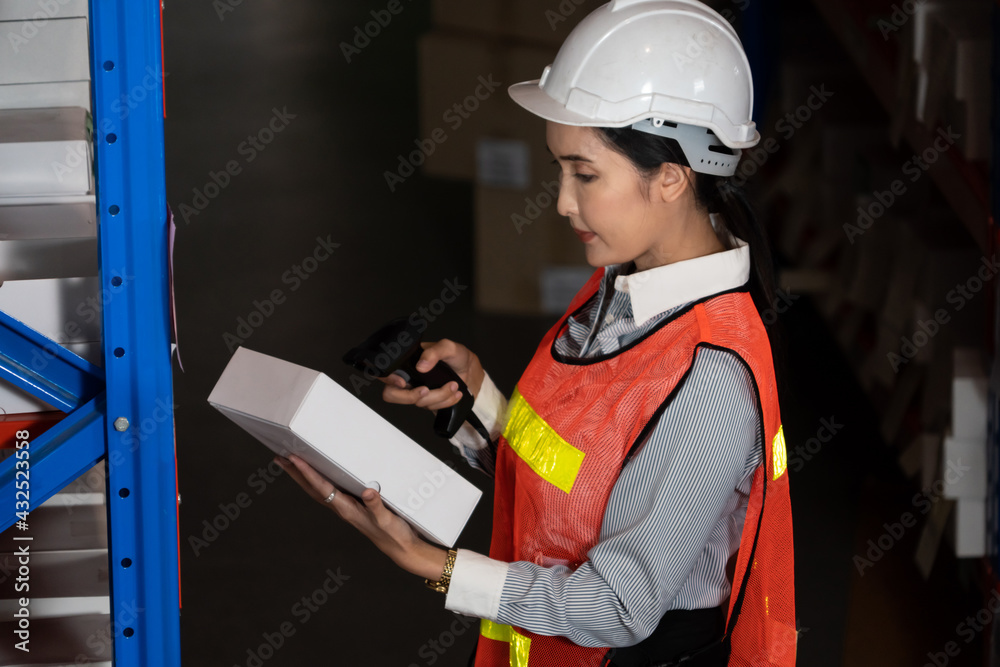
<point>659,289</point>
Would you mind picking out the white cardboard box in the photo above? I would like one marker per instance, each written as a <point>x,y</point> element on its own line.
<point>970,528</point>
<point>40,13</point>
<point>295,410</point>
<point>40,259</point>
<point>42,95</point>
<point>48,221</point>
<point>67,310</point>
<point>15,401</point>
<point>968,395</point>
<point>963,465</point>
<point>45,152</point>
<point>55,51</point>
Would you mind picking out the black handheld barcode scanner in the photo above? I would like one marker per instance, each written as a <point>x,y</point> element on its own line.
<point>395,348</point>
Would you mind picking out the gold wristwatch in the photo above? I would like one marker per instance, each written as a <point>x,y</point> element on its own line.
<point>441,585</point>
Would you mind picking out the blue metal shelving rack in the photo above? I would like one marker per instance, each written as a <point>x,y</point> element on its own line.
<point>122,413</point>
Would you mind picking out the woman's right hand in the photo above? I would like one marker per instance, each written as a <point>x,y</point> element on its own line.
<point>461,359</point>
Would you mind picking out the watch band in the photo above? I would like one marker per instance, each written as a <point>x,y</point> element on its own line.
<point>441,585</point>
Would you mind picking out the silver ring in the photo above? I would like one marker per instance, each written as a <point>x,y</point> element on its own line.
<point>329,498</point>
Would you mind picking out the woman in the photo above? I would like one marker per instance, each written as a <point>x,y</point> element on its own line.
<point>634,458</point>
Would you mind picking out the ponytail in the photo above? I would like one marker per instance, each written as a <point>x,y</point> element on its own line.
<point>722,195</point>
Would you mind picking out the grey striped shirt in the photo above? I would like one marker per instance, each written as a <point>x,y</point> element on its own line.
<point>675,515</point>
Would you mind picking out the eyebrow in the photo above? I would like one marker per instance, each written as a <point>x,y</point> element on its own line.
<point>570,158</point>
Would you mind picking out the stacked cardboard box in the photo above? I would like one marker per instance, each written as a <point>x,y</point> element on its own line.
<point>952,51</point>
<point>48,218</point>
<point>47,63</point>
<point>964,457</point>
<point>528,261</point>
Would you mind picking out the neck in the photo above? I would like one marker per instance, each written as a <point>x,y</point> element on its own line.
<point>692,235</point>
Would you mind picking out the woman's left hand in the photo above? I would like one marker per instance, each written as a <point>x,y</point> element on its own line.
<point>388,532</point>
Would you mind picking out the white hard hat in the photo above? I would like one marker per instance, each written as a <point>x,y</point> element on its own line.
<point>658,66</point>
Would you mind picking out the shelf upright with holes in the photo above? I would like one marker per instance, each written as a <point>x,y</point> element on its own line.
<point>126,60</point>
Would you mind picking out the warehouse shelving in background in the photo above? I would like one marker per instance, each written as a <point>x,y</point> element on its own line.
<point>886,283</point>
<point>85,339</point>
<point>888,71</point>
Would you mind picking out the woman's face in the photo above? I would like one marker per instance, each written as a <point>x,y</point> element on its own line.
<point>601,194</point>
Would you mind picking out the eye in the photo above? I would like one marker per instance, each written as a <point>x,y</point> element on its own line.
<point>586,178</point>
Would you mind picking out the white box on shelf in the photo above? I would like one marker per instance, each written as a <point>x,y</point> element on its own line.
<point>968,395</point>
<point>19,221</point>
<point>48,258</point>
<point>952,44</point>
<point>14,401</point>
<point>966,33</point>
<point>65,573</point>
<point>39,13</point>
<point>56,51</point>
<point>970,528</point>
<point>58,529</point>
<point>963,467</point>
<point>43,95</point>
<point>45,151</point>
<point>296,410</point>
<point>67,310</point>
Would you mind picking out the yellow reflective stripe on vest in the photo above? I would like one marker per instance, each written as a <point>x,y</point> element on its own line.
<point>494,631</point>
<point>554,459</point>
<point>779,457</point>
<point>520,645</point>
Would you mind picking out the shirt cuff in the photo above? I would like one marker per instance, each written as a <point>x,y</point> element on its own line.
<point>491,408</point>
<point>476,584</point>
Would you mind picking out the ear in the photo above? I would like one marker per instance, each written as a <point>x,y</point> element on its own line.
<point>672,182</point>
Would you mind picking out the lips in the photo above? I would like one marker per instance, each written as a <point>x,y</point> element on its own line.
<point>585,236</point>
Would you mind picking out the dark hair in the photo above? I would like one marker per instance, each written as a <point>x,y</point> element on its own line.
<point>717,194</point>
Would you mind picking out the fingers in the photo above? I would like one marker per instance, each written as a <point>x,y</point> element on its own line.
<point>316,485</point>
<point>394,380</point>
<point>444,397</point>
<point>424,397</point>
<point>435,399</point>
<point>397,391</point>
<point>442,350</point>
<point>390,534</point>
<point>460,358</point>
<point>297,475</point>
<point>373,502</point>
<point>316,480</point>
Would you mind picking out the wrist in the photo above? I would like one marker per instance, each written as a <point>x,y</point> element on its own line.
<point>476,377</point>
<point>443,583</point>
<point>430,562</point>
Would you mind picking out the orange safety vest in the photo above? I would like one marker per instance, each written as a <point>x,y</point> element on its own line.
<point>572,426</point>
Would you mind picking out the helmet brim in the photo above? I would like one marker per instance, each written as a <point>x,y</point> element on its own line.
<point>531,96</point>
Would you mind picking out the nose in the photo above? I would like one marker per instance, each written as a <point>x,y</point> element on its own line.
<point>566,204</point>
